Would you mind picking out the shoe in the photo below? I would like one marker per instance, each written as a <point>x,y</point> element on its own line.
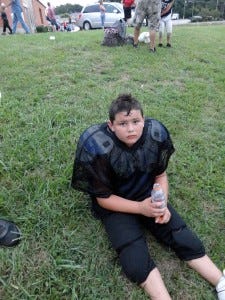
<point>10,234</point>
<point>4,33</point>
<point>220,288</point>
<point>153,50</point>
<point>160,45</point>
<point>168,45</point>
<point>135,46</point>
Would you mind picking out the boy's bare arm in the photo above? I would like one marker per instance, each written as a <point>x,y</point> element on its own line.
<point>162,179</point>
<point>119,204</point>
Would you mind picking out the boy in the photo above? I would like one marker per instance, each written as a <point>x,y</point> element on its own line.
<point>5,20</point>
<point>166,22</point>
<point>117,164</point>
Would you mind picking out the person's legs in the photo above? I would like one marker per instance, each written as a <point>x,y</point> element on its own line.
<point>153,22</point>
<point>15,21</point>
<point>103,20</point>
<point>209,271</point>
<point>8,26</point>
<point>169,28</point>
<point>220,287</point>
<point>24,25</point>
<point>155,287</point>
<point>176,235</point>
<point>206,268</point>
<point>125,13</point>
<point>161,31</point>
<point>152,35</point>
<point>126,236</point>
<point>140,15</point>
<point>4,26</point>
<point>189,248</point>
<point>136,35</point>
<point>55,25</point>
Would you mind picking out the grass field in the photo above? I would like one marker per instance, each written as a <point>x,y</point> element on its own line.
<point>51,90</point>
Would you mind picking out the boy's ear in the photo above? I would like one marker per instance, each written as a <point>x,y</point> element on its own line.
<point>110,124</point>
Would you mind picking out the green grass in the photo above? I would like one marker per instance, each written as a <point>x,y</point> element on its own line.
<point>51,91</point>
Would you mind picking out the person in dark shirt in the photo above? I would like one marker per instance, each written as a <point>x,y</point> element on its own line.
<point>117,163</point>
<point>5,20</point>
<point>166,22</point>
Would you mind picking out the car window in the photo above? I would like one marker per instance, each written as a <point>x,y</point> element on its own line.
<point>91,9</point>
<point>111,9</point>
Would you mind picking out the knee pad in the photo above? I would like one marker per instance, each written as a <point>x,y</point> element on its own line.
<point>136,261</point>
<point>186,244</point>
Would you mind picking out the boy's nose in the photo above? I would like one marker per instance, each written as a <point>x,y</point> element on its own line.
<point>130,128</point>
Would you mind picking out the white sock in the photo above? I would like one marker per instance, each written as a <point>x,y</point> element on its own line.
<point>220,288</point>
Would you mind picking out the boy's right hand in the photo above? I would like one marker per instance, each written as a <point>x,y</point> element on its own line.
<point>151,209</point>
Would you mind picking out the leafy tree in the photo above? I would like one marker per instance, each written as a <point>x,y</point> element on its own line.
<point>68,8</point>
<point>205,8</point>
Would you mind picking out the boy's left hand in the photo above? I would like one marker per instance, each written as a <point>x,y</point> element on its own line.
<point>163,219</point>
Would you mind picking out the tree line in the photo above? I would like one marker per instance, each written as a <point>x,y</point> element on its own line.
<point>208,9</point>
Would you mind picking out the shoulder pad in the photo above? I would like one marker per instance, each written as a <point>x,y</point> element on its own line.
<point>159,132</point>
<point>95,140</point>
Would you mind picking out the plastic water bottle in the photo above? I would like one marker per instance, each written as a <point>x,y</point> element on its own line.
<point>157,195</point>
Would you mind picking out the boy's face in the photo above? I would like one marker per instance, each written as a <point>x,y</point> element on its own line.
<point>128,128</point>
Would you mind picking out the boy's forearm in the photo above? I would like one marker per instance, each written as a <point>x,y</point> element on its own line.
<point>162,179</point>
<point>119,204</point>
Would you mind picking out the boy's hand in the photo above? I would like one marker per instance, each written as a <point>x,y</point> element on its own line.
<point>151,209</point>
<point>165,218</point>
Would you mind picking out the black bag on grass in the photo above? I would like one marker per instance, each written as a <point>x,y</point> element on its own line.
<point>115,35</point>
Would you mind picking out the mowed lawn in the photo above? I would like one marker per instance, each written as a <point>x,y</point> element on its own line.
<point>51,90</point>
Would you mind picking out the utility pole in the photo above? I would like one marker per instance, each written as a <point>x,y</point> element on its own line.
<point>185,1</point>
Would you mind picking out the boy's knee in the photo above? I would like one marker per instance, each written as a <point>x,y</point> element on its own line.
<point>135,261</point>
<point>187,244</point>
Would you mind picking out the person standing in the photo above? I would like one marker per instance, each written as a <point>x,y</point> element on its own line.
<point>17,16</point>
<point>50,13</point>
<point>166,22</point>
<point>150,10</point>
<point>102,13</point>
<point>127,6</point>
<point>5,20</point>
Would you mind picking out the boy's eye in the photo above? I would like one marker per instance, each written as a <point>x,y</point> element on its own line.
<point>122,123</point>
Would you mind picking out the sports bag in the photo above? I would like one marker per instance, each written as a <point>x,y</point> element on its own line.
<point>115,35</point>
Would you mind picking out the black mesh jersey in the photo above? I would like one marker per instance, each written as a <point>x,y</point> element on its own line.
<point>104,165</point>
<point>165,3</point>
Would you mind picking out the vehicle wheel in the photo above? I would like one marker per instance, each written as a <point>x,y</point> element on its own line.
<point>87,25</point>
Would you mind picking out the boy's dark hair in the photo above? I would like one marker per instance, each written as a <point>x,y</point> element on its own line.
<point>124,103</point>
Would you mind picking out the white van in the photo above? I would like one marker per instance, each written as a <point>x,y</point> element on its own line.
<point>175,16</point>
<point>89,17</point>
